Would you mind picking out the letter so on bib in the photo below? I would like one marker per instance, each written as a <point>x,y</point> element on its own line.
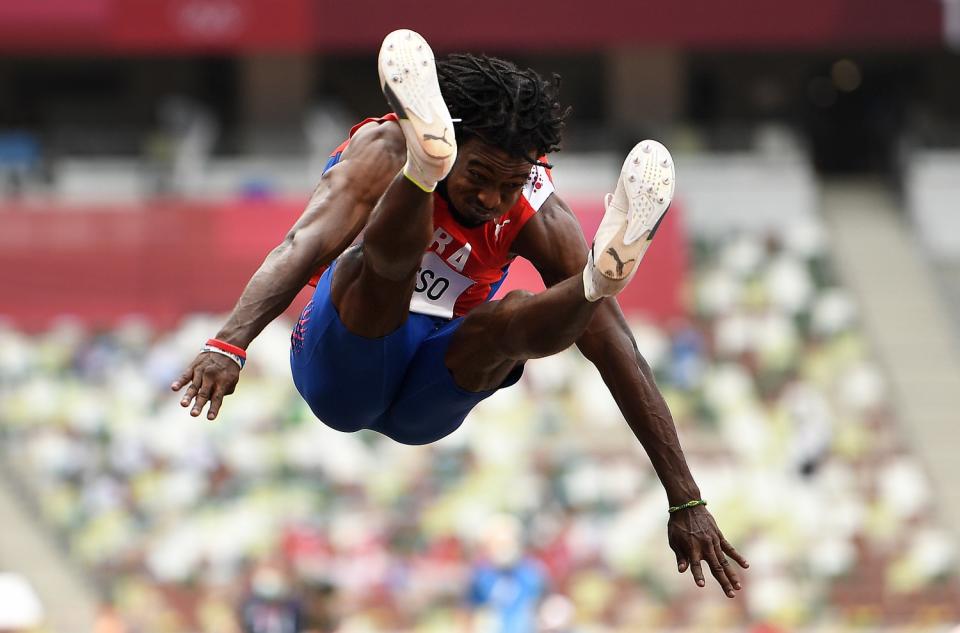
<point>437,287</point>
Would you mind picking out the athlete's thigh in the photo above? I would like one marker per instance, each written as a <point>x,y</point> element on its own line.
<point>369,305</point>
<point>348,380</point>
<point>477,356</point>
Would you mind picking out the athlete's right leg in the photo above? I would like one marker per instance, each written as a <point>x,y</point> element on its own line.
<point>372,285</point>
<point>498,336</point>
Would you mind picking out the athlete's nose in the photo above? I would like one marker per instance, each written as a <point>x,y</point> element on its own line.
<point>489,198</point>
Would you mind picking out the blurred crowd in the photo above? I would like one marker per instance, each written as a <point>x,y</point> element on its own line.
<point>541,513</point>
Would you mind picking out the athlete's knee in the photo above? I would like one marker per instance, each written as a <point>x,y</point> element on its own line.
<point>492,332</point>
<point>383,141</point>
<point>508,308</point>
<point>519,338</point>
<point>492,320</point>
<point>515,298</point>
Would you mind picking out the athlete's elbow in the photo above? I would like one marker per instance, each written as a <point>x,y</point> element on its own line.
<point>291,253</point>
<point>287,246</point>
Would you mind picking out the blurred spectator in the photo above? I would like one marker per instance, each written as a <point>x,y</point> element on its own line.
<point>319,610</point>
<point>271,606</point>
<point>505,587</point>
<point>773,389</point>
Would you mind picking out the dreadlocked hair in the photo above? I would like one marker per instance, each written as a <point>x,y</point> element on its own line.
<point>512,109</point>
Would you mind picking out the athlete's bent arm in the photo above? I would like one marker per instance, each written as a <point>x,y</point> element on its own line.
<point>335,215</point>
<point>553,242</point>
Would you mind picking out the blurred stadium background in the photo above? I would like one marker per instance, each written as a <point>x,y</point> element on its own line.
<point>801,310</point>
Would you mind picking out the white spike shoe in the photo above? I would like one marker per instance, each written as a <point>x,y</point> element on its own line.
<point>632,215</point>
<point>408,76</point>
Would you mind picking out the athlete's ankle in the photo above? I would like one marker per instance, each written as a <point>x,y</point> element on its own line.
<point>415,173</point>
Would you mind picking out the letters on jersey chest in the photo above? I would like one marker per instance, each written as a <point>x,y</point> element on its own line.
<point>439,281</point>
<point>462,264</point>
<point>459,253</point>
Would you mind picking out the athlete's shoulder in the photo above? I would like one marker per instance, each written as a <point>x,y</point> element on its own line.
<point>538,187</point>
<point>534,195</point>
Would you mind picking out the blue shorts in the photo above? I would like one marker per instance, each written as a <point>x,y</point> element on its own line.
<point>397,385</point>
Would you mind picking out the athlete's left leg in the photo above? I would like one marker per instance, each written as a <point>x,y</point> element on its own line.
<point>498,336</point>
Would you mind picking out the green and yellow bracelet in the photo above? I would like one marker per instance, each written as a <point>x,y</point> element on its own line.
<point>688,504</point>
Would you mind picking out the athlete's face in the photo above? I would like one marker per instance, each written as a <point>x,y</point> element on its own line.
<point>485,181</point>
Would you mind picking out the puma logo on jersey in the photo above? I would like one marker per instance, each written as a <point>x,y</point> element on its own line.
<point>442,137</point>
<point>620,264</point>
<point>499,227</point>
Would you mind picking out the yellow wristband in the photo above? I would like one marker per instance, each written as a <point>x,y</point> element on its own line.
<point>414,181</point>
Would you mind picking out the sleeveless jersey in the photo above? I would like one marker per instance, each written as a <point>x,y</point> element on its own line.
<point>464,266</point>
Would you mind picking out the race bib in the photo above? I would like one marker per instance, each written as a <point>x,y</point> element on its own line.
<point>437,287</point>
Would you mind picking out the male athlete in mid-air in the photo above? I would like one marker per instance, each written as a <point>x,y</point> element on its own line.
<point>401,335</point>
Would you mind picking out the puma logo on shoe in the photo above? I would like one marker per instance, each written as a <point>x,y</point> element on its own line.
<point>442,137</point>
<point>620,264</point>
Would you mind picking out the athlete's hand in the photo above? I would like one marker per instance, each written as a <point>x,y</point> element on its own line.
<point>694,536</point>
<point>211,377</point>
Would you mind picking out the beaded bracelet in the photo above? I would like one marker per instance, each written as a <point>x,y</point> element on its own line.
<point>688,504</point>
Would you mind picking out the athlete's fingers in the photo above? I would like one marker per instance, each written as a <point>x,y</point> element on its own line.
<point>183,379</point>
<point>697,571</point>
<point>729,550</point>
<point>729,570</point>
<point>215,401</point>
<point>682,563</point>
<point>188,395</point>
<point>202,396</point>
<point>192,389</point>
<point>719,572</point>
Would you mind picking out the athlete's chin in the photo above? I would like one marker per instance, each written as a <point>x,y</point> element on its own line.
<point>471,216</point>
<point>472,219</point>
<point>481,217</point>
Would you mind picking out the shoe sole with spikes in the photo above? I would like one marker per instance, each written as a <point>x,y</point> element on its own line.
<point>408,76</point>
<point>633,215</point>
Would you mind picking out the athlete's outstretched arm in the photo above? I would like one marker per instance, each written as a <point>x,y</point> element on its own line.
<point>335,215</point>
<point>553,242</point>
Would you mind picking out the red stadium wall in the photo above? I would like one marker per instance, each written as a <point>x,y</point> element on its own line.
<point>169,259</point>
<point>234,26</point>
